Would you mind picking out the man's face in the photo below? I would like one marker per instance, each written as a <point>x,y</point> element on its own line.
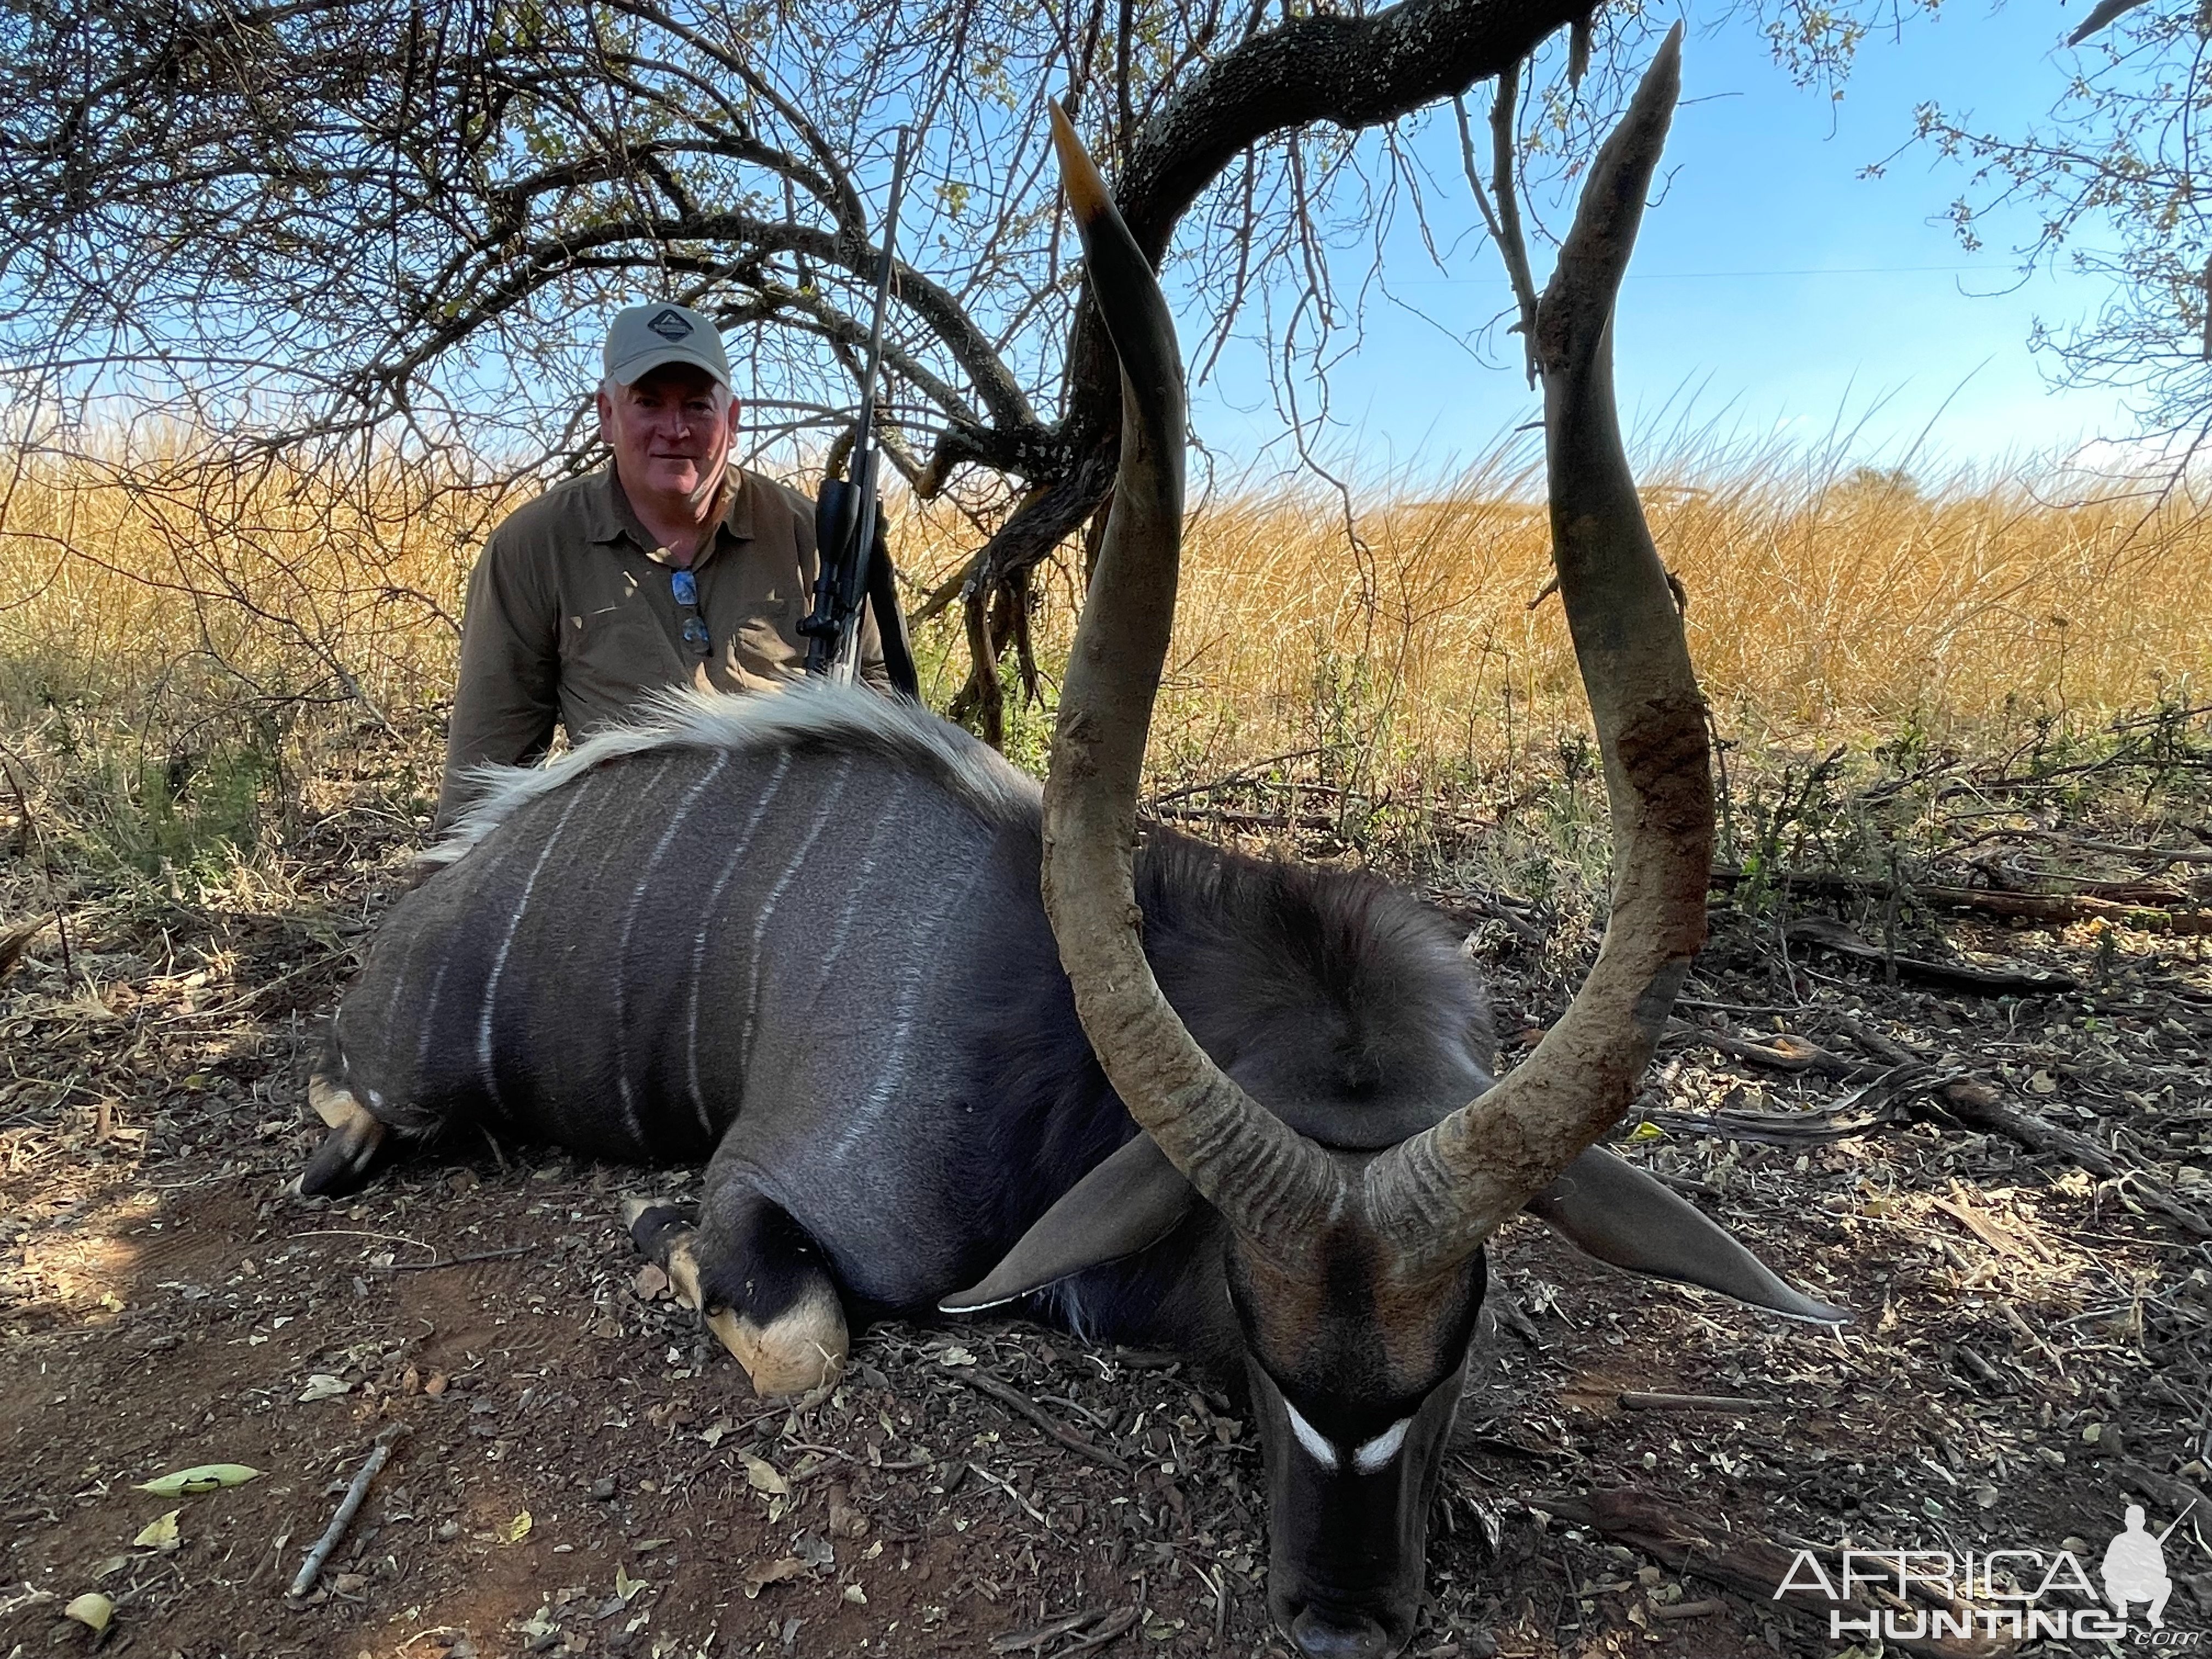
<point>671,432</point>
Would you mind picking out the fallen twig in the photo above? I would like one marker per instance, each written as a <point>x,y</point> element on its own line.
<point>1952,975</point>
<point>1042,1633</point>
<point>348,1506</point>
<point>2034,907</point>
<point>1014,1400</point>
<point>1879,1086</point>
<point>1979,1107</point>
<point>1113,1626</point>
<point>1876,1043</point>
<point>1007,1487</point>
<point>1641,1400</point>
<point>1944,1095</point>
<point>1219,1585</point>
<point>1770,1128</point>
<point>1991,1231</point>
<point>1685,1609</point>
<point>458,1261</point>
<point>1788,1128</point>
<point>1245,774</point>
<point>2176,1494</point>
<point>246,1000</point>
<point>1685,1184</point>
<point>1476,907</point>
<point>2163,857</point>
<point>1787,1053</point>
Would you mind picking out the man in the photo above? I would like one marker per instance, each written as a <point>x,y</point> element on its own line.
<point>668,567</point>
<point>2135,1569</point>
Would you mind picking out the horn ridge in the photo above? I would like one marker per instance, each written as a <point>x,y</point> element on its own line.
<point>1266,1179</point>
<point>1440,1192</point>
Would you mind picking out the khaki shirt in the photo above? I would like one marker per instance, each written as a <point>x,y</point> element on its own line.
<point>571,619</point>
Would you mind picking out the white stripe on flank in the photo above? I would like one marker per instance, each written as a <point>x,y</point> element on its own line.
<point>708,910</point>
<point>914,977</point>
<point>608,829</point>
<point>1317,1444</point>
<point>891,818</point>
<point>429,1018</point>
<point>431,1003</point>
<point>1373,1454</point>
<point>822,814</point>
<point>499,962</point>
<point>622,950</point>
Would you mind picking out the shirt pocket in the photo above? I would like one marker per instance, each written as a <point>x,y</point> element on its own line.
<point>764,643</point>
<point>612,655</point>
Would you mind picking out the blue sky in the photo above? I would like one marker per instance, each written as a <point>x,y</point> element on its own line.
<point>1775,291</point>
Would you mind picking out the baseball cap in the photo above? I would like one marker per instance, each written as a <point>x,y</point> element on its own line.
<point>643,337</point>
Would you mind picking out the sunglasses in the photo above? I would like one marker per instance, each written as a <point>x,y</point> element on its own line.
<point>685,586</point>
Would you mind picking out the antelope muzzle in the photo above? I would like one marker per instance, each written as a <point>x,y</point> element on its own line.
<point>1348,1498</point>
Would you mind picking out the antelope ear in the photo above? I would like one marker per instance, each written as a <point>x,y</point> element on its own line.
<point>1132,1201</point>
<point>1616,1213</point>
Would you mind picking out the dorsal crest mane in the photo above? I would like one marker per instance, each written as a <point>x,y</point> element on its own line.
<point>1357,978</point>
<point>809,714</point>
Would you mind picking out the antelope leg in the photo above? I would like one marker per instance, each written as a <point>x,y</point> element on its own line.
<point>349,1150</point>
<point>751,1277</point>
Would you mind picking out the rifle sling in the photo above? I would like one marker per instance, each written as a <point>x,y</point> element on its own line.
<point>890,621</point>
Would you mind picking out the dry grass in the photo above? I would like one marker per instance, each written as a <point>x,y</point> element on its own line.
<point>1822,610</point>
<point>169,588</point>
<point>157,623</point>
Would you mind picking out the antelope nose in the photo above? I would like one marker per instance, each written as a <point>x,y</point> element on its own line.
<point>1322,1633</point>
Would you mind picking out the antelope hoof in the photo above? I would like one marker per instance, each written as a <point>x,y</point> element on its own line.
<point>349,1151</point>
<point>798,1349</point>
<point>655,1223</point>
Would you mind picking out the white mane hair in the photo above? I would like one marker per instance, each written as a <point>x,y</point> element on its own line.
<point>811,712</point>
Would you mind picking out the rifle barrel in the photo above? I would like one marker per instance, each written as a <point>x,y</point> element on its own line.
<point>2176,1522</point>
<point>863,470</point>
<point>864,434</point>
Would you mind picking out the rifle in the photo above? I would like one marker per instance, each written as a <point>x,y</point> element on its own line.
<point>856,566</point>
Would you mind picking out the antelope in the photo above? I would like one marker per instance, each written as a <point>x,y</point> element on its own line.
<point>944,1041</point>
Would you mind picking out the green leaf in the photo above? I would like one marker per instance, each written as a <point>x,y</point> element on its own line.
<point>201,1477</point>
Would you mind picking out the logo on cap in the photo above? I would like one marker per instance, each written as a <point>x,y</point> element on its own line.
<point>669,326</point>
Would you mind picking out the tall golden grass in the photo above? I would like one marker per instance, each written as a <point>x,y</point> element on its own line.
<point>1824,603</point>
<point>161,589</point>
<point>1827,604</point>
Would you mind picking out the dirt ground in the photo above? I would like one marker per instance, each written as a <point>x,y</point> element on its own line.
<point>574,1469</point>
